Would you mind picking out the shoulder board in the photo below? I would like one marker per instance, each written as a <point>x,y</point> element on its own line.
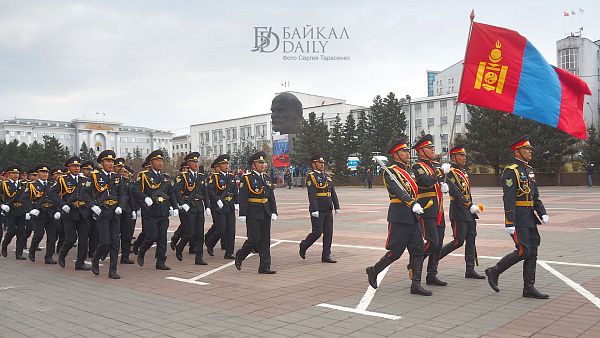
<point>94,171</point>
<point>512,166</point>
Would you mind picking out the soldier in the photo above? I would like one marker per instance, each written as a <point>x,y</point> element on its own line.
<point>58,224</point>
<point>223,193</point>
<point>322,200</point>
<point>213,228</point>
<point>430,179</point>
<point>14,211</point>
<point>154,192</point>
<point>403,227</point>
<point>183,168</point>
<point>140,238</point>
<point>521,204</point>
<point>70,194</point>
<point>126,221</point>
<point>110,197</point>
<point>87,168</point>
<point>191,195</point>
<point>42,214</point>
<point>257,208</point>
<point>463,213</point>
<point>32,177</point>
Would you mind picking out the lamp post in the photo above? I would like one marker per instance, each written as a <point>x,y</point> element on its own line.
<point>410,140</point>
<point>592,111</point>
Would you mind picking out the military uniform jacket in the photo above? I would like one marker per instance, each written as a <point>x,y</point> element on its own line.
<point>401,199</point>
<point>428,175</point>
<point>521,196</point>
<point>10,194</point>
<point>321,192</point>
<point>74,192</point>
<point>190,189</point>
<point>108,192</point>
<point>461,199</point>
<point>256,196</point>
<point>132,202</point>
<point>158,187</point>
<point>222,186</point>
<point>35,196</point>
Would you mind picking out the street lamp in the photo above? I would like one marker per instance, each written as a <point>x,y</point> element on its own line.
<point>592,111</point>
<point>408,98</point>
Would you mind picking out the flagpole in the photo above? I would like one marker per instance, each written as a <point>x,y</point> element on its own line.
<point>450,141</point>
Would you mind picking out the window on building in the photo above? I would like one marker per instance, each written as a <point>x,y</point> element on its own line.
<point>568,60</point>
<point>418,110</point>
<point>234,133</point>
<point>430,121</point>
<point>444,141</point>
<point>35,134</point>
<point>430,108</point>
<point>444,108</point>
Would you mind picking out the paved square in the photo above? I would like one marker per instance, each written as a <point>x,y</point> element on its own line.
<point>309,298</point>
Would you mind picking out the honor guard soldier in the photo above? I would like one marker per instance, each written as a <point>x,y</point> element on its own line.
<point>463,213</point>
<point>223,193</point>
<point>257,208</point>
<point>154,192</point>
<point>403,226</point>
<point>87,168</point>
<point>71,195</point>
<point>14,211</point>
<point>32,177</point>
<point>430,179</point>
<point>126,222</point>
<point>58,224</point>
<point>183,168</point>
<point>191,195</point>
<point>140,237</point>
<point>110,197</point>
<point>42,214</point>
<point>523,211</point>
<point>322,200</point>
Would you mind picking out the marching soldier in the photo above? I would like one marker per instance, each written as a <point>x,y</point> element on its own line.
<point>183,168</point>
<point>126,223</point>
<point>87,168</point>
<point>463,213</point>
<point>140,237</point>
<point>191,195</point>
<point>110,197</point>
<point>70,194</point>
<point>58,224</point>
<point>403,227</point>
<point>154,192</point>
<point>42,214</point>
<point>322,200</point>
<point>430,180</point>
<point>32,177</point>
<point>257,208</point>
<point>14,212</point>
<point>523,211</point>
<point>223,193</point>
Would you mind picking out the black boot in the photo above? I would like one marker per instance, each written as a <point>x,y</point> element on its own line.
<point>374,270</point>
<point>61,260</point>
<point>179,252</point>
<point>96,266</point>
<point>529,291</point>
<point>494,272</point>
<point>417,269</point>
<point>470,260</point>
<point>432,265</point>
<point>302,252</point>
<point>4,249</point>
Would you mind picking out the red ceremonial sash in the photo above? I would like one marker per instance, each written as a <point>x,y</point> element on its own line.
<point>408,178</point>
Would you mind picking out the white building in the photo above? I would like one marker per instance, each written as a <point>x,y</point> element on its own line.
<point>231,135</point>
<point>100,135</point>
<point>182,145</point>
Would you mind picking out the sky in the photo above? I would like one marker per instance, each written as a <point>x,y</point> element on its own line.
<point>169,64</point>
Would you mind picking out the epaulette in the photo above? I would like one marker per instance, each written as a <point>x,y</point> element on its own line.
<point>512,166</point>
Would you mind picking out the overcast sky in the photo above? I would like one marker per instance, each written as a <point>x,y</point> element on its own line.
<point>169,64</point>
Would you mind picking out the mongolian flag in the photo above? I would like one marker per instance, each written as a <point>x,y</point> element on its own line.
<point>503,71</point>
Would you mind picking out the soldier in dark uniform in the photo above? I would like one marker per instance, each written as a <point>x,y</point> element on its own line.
<point>58,224</point>
<point>403,227</point>
<point>32,177</point>
<point>126,222</point>
<point>430,179</point>
<point>215,170</point>
<point>87,168</point>
<point>183,168</point>
<point>42,212</point>
<point>14,211</point>
<point>463,213</point>
<point>191,195</point>
<point>322,200</point>
<point>140,237</point>
<point>71,195</point>
<point>257,208</point>
<point>107,189</point>
<point>223,193</point>
<point>523,211</point>
<point>154,192</point>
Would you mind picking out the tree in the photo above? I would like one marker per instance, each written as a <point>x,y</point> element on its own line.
<point>241,157</point>
<point>350,135</point>
<point>364,146</point>
<point>591,148</point>
<point>313,137</point>
<point>55,154</point>
<point>87,153</point>
<point>339,152</point>
<point>388,121</point>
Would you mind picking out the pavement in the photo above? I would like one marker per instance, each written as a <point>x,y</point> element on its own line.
<point>308,298</point>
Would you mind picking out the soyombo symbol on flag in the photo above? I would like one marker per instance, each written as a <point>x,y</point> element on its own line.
<point>503,71</point>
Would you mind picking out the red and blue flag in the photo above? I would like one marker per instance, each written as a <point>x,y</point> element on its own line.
<point>503,71</point>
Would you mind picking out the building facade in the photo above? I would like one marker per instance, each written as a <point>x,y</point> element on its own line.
<point>99,135</point>
<point>181,146</point>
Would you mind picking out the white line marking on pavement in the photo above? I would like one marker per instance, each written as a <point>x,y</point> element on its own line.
<point>360,312</point>
<point>370,293</point>
<point>585,293</point>
<point>7,288</point>
<point>593,228</point>
<point>194,280</point>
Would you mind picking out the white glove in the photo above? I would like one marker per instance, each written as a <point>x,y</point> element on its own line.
<point>34,212</point>
<point>315,214</point>
<point>148,201</point>
<point>545,218</point>
<point>27,216</point>
<point>242,218</point>
<point>66,208</point>
<point>446,168</point>
<point>474,209</point>
<point>510,230</point>
<point>338,211</point>
<point>273,217</point>
<point>96,209</point>
<point>5,207</point>
<point>133,215</point>
<point>417,209</point>
<point>444,187</point>
<point>236,206</point>
<point>57,215</point>
<point>207,211</point>
<point>118,210</point>
<point>175,212</point>
<point>185,207</point>
<point>220,204</point>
